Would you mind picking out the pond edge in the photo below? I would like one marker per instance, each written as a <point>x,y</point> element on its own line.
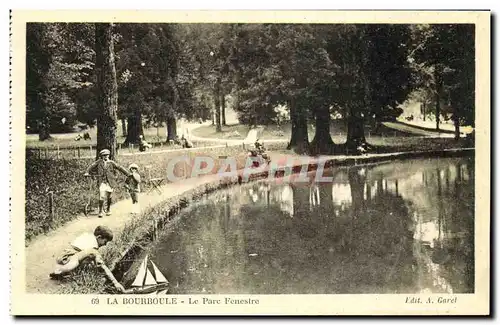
<point>159,216</point>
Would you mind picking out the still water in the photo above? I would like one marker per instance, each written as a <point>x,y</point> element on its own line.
<point>401,227</point>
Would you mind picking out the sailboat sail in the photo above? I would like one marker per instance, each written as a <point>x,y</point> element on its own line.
<point>160,278</point>
<point>150,280</point>
<point>141,274</point>
<point>146,279</point>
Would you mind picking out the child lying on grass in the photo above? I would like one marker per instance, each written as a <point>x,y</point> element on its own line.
<point>83,249</point>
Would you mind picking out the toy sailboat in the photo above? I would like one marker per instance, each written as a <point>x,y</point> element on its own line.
<point>147,282</point>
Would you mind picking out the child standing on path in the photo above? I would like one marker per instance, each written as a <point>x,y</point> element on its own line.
<point>105,169</point>
<point>133,186</point>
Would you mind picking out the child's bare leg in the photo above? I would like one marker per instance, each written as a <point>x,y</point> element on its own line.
<point>135,201</point>
<point>102,197</point>
<point>108,198</point>
<point>133,195</point>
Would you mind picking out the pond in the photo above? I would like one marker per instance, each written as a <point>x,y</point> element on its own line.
<point>398,227</point>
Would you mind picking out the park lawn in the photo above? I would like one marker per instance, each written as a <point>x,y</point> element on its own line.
<point>397,144</point>
<point>67,139</point>
<point>338,128</point>
<point>230,132</point>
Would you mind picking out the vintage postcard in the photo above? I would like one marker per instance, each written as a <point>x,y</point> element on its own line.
<point>250,162</point>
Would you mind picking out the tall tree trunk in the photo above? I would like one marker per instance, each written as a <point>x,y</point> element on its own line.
<point>355,132</point>
<point>135,128</point>
<point>218,127</point>
<point>171,128</point>
<point>236,102</point>
<point>38,60</point>
<point>124,127</point>
<point>437,77</point>
<point>299,141</point>
<point>322,142</point>
<point>438,110</point>
<point>223,108</point>
<point>107,89</point>
<point>43,129</point>
<point>456,121</point>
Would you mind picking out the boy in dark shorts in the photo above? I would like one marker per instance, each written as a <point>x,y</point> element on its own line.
<point>105,170</point>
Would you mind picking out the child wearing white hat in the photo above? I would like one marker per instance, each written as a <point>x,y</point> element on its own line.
<point>133,185</point>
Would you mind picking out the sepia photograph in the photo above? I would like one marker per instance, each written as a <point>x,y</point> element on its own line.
<point>246,163</point>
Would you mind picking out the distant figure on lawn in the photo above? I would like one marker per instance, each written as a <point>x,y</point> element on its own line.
<point>143,144</point>
<point>133,186</point>
<point>105,170</point>
<point>82,250</point>
<point>86,136</point>
<point>186,143</point>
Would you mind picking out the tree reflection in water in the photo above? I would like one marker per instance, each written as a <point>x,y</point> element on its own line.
<point>395,228</point>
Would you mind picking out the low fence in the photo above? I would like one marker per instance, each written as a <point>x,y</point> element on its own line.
<point>89,151</point>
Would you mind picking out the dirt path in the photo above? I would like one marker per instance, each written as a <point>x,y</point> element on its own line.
<point>418,131</point>
<point>229,142</point>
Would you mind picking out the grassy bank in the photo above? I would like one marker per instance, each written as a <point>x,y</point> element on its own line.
<point>68,139</point>
<point>132,241</point>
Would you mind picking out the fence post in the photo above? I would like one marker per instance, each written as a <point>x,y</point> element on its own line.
<point>39,153</point>
<point>79,152</point>
<point>51,205</point>
<point>90,154</point>
<point>47,153</point>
